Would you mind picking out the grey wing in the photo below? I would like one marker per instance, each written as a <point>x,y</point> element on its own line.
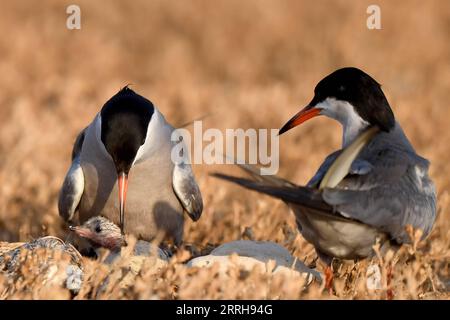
<point>304,197</point>
<point>78,144</point>
<point>359,167</point>
<point>73,185</point>
<point>315,180</point>
<point>187,190</point>
<point>273,180</point>
<point>397,192</point>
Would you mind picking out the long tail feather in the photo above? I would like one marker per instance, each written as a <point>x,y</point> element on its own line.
<point>303,196</point>
<point>254,172</point>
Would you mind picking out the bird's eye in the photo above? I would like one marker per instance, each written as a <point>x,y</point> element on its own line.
<point>98,229</point>
<point>341,88</point>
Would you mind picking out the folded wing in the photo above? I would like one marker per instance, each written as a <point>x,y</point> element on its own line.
<point>73,185</point>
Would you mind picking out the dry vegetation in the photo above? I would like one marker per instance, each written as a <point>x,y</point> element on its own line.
<point>246,63</point>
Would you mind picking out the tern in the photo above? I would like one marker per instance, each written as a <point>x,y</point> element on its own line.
<point>371,189</point>
<point>121,163</point>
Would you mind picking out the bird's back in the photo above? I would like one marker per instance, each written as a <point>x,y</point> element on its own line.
<point>394,193</point>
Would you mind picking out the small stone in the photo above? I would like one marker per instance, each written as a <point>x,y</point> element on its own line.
<point>373,275</point>
<point>269,256</point>
<point>74,278</point>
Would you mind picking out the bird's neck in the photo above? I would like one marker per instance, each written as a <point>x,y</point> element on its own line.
<point>352,128</point>
<point>346,115</point>
<point>352,123</point>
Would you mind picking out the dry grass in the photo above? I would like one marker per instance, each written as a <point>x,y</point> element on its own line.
<point>249,64</point>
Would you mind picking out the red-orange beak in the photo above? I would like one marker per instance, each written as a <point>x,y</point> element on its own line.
<point>123,186</point>
<point>306,113</point>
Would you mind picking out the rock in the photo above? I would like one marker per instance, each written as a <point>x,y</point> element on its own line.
<point>74,278</point>
<point>68,273</point>
<point>256,253</point>
<point>373,275</point>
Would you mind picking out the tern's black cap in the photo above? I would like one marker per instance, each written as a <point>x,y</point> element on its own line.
<point>125,118</point>
<point>360,90</point>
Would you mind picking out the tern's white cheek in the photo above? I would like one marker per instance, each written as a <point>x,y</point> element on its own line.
<point>339,110</point>
<point>151,139</point>
<point>98,134</point>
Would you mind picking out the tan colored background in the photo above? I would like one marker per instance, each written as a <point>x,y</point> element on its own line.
<point>247,63</point>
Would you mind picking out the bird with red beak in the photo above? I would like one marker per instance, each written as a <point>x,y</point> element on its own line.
<point>122,169</point>
<point>383,186</point>
<point>351,97</point>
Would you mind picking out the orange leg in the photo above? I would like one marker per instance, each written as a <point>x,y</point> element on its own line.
<point>329,279</point>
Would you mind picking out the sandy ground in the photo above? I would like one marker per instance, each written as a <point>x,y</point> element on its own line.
<point>249,64</point>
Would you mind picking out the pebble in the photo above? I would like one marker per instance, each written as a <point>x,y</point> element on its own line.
<point>256,253</point>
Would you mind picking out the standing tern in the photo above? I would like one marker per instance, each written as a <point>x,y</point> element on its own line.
<point>383,187</point>
<point>129,137</point>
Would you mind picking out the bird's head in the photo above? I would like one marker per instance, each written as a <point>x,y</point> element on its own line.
<point>100,232</point>
<point>125,122</point>
<point>349,96</point>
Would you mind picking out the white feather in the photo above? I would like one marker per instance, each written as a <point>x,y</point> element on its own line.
<point>98,136</point>
<point>155,136</point>
<point>345,113</point>
<point>71,191</point>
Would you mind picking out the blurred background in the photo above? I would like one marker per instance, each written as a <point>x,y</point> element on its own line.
<point>248,64</point>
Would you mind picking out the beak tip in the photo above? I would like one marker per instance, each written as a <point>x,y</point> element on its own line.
<point>281,131</point>
<point>305,114</point>
<point>123,186</point>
